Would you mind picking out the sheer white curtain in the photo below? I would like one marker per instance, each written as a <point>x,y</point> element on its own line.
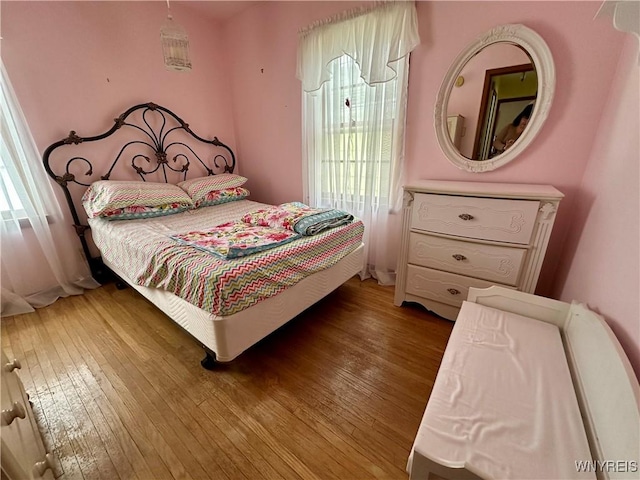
<point>354,71</point>
<point>39,254</point>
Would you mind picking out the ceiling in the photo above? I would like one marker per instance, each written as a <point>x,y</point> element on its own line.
<point>218,10</point>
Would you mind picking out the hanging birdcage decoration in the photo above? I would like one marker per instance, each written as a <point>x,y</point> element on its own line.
<point>175,44</point>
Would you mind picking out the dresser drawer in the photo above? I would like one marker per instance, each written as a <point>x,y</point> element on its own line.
<point>21,443</point>
<point>10,391</point>
<point>496,263</point>
<point>503,220</point>
<point>442,287</point>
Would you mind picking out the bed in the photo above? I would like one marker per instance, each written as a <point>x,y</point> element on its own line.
<point>226,304</point>
<point>529,387</point>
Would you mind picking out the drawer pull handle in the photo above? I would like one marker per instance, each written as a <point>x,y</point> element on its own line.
<point>465,216</point>
<point>11,366</point>
<point>453,291</point>
<point>40,467</point>
<point>10,414</point>
<point>459,257</point>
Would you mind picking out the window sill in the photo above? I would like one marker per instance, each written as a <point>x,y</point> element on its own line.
<point>23,222</point>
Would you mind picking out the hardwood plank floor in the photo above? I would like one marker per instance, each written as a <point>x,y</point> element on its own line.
<point>119,393</point>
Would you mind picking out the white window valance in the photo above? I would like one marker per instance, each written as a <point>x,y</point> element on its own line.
<point>375,38</point>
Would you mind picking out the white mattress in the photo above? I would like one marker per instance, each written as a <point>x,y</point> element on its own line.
<point>503,404</point>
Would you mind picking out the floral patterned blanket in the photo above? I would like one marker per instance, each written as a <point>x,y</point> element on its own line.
<point>298,217</point>
<point>236,239</point>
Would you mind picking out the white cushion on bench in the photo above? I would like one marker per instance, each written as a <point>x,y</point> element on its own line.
<point>503,404</point>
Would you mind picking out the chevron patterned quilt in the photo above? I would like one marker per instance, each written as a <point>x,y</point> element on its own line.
<point>145,252</point>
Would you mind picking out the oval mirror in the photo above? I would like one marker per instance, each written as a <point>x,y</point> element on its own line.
<point>495,98</point>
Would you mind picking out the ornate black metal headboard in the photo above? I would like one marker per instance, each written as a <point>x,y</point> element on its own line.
<point>161,132</point>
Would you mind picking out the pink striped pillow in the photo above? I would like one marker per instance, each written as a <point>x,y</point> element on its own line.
<point>105,196</point>
<point>199,188</point>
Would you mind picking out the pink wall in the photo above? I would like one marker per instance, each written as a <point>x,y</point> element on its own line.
<point>601,260</point>
<point>78,65</point>
<point>267,96</point>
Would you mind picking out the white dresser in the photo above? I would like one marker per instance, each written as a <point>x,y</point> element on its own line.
<point>457,235</point>
<point>23,453</point>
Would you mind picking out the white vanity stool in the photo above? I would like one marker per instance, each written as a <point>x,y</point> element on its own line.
<point>457,235</point>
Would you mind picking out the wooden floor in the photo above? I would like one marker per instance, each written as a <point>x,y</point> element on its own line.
<point>119,392</point>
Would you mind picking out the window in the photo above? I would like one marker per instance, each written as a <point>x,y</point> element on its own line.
<point>354,72</point>
<point>356,132</point>
<point>358,122</point>
<point>10,204</point>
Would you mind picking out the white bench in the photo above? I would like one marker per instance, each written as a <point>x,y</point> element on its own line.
<point>529,387</point>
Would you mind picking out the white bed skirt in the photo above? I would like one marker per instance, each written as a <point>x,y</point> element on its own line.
<point>228,337</point>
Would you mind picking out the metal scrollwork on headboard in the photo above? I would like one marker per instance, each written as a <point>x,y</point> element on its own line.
<point>159,148</point>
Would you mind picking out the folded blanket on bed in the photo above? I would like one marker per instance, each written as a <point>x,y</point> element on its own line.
<point>236,239</point>
<point>298,217</point>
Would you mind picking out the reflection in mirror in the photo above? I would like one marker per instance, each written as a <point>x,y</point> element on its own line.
<point>500,81</point>
<point>507,108</point>
<point>487,86</point>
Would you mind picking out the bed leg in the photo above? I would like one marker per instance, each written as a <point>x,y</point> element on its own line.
<point>120,283</point>
<point>209,361</point>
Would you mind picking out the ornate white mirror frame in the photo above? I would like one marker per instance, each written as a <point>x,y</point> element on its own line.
<point>542,60</point>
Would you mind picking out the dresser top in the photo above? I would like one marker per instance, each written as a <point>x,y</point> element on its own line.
<point>479,189</point>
